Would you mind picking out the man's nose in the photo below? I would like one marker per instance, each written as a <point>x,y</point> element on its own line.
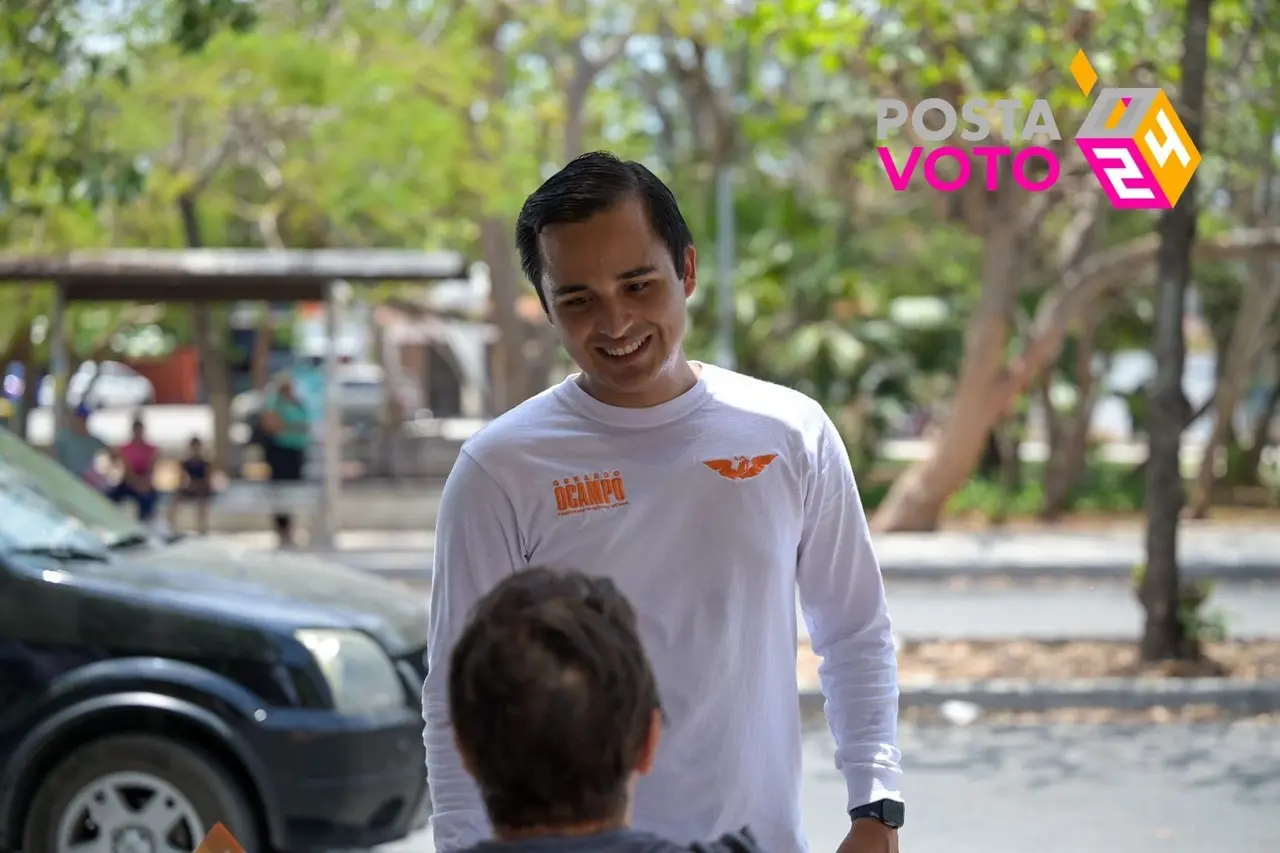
<point>614,320</point>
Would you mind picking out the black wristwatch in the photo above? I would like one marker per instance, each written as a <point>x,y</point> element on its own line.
<point>889,812</point>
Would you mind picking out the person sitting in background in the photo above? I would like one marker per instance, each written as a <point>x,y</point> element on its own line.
<point>77,449</point>
<point>196,486</point>
<point>137,484</point>
<point>556,714</point>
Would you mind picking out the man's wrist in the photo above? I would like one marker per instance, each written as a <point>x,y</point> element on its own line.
<point>886,812</point>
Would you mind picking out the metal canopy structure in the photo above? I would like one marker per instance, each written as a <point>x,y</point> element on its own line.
<point>222,275</point>
<point>228,275</point>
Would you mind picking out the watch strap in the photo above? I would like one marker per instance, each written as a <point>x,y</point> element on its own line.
<point>891,813</point>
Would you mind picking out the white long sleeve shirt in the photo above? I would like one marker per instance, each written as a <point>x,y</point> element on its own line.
<point>707,511</point>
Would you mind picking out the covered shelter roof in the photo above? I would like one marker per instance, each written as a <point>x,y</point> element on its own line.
<point>228,275</point>
<point>222,275</point>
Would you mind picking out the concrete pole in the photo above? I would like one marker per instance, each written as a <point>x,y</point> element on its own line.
<point>59,359</point>
<point>330,514</point>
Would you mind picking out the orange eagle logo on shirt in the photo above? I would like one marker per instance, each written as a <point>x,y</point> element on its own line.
<point>741,467</point>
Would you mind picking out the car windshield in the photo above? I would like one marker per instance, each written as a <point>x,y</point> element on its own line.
<point>45,507</point>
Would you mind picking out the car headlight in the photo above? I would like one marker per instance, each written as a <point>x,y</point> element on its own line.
<point>361,677</point>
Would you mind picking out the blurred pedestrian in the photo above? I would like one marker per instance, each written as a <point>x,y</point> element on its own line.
<point>77,449</point>
<point>195,485</point>
<point>558,717</point>
<point>138,459</point>
<point>707,497</point>
<point>286,427</point>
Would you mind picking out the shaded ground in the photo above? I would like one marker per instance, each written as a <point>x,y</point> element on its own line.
<point>1137,788</point>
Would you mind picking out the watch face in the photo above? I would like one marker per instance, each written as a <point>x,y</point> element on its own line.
<point>893,813</point>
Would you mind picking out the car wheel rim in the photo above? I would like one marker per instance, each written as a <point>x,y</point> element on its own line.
<point>129,813</point>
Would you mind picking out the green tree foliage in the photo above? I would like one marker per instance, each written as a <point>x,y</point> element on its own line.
<point>424,123</point>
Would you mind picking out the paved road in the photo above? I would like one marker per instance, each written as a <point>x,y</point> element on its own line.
<point>1104,611</point>
<point>1239,553</point>
<point>924,611</point>
<point>1063,789</point>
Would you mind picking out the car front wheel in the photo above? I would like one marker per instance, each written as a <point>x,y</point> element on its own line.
<point>136,794</point>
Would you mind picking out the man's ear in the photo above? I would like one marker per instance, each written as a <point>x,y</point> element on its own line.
<point>649,750</point>
<point>467,763</point>
<point>690,271</point>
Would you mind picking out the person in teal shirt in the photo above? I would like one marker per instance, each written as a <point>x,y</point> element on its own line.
<point>77,449</point>
<point>287,425</point>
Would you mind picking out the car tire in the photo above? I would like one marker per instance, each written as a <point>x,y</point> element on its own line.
<point>199,778</point>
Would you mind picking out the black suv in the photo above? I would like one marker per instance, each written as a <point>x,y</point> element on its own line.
<point>150,690</point>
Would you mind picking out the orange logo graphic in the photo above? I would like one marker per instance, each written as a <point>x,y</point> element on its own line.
<point>740,467</point>
<point>219,840</point>
<point>599,490</point>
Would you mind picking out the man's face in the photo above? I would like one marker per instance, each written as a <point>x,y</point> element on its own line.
<point>617,303</point>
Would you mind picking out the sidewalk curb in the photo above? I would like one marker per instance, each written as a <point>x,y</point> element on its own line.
<point>1035,575</point>
<point>1022,573</point>
<point>1128,694</point>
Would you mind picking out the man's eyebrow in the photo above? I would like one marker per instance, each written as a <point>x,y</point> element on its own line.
<point>637,272</point>
<point>569,289</point>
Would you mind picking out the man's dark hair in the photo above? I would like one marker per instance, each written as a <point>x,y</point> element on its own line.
<point>552,697</point>
<point>591,184</point>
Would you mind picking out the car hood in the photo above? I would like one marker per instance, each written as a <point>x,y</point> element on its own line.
<point>281,587</point>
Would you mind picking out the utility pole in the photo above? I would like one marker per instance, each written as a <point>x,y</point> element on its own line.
<point>725,235</point>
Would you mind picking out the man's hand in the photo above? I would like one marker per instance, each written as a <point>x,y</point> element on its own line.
<point>868,835</point>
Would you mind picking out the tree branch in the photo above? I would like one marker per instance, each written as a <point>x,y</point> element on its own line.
<point>583,76</point>
<point>213,163</point>
<point>1114,268</point>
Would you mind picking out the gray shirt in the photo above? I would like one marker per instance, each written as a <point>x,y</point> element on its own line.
<point>619,841</point>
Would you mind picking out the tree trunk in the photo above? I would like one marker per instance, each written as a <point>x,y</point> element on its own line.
<point>85,395</point>
<point>1262,430</point>
<point>30,396</point>
<point>505,288</point>
<point>1164,636</point>
<point>916,499</point>
<point>527,348</point>
<point>260,361</point>
<point>1069,440</point>
<point>1258,304</point>
<point>210,347</point>
<point>392,415</point>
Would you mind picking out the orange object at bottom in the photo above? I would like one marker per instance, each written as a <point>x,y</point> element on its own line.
<point>219,840</point>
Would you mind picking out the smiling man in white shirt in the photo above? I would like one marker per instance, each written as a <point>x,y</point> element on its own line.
<point>707,497</point>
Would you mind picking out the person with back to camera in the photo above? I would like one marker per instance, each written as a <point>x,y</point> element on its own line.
<point>558,715</point>
<point>707,497</point>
